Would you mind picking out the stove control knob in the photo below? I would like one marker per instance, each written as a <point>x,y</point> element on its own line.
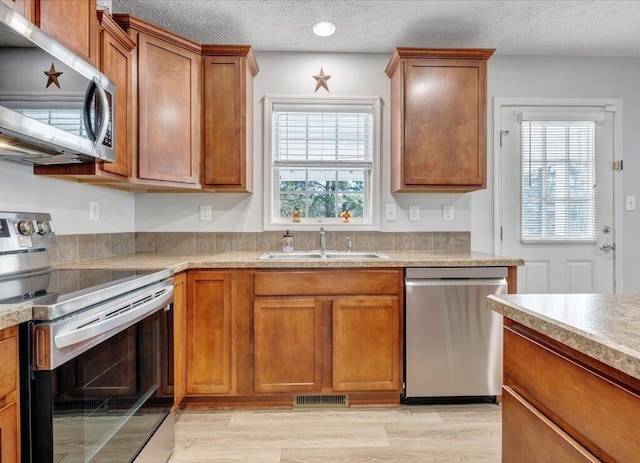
<point>44,227</point>
<point>26,227</point>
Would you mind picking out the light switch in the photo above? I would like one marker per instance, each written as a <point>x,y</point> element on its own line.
<point>414,212</point>
<point>630,203</point>
<point>390,212</point>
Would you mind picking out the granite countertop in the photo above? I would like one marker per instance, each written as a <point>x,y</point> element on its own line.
<point>602,326</point>
<point>12,314</point>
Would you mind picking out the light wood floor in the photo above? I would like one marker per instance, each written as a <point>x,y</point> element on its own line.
<point>407,434</point>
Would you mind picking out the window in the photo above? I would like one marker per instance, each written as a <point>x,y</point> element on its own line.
<point>558,181</point>
<point>321,166</point>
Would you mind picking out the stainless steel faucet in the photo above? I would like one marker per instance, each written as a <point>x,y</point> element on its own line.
<point>347,242</point>
<point>323,241</point>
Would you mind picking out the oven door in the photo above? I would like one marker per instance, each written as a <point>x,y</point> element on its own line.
<point>105,403</point>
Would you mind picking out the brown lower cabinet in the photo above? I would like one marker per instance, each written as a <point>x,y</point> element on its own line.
<point>261,336</point>
<point>179,337</point>
<point>9,396</point>
<point>561,405</point>
<point>210,334</point>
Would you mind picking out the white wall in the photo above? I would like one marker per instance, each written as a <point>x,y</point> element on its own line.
<point>68,203</point>
<point>292,74</point>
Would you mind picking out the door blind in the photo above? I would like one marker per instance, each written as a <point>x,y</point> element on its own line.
<point>559,189</point>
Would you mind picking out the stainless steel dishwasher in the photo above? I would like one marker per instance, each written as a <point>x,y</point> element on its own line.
<point>453,343</point>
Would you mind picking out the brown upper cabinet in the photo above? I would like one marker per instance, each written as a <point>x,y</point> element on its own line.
<point>438,119</point>
<point>166,101</point>
<point>227,162</point>
<point>72,22</point>
<point>24,7</point>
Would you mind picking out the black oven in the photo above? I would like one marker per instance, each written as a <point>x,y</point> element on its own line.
<point>97,388</point>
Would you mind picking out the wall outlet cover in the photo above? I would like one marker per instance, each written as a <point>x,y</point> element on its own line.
<point>390,212</point>
<point>447,213</point>
<point>205,213</point>
<point>94,210</point>
<point>414,212</point>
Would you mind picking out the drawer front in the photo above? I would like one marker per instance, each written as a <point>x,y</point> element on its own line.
<point>9,362</point>
<point>599,414</point>
<point>328,282</point>
<point>530,437</point>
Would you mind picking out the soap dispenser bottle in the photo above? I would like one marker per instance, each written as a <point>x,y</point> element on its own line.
<point>287,242</point>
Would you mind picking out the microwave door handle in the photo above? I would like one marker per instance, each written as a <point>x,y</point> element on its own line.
<point>86,110</point>
<point>106,114</point>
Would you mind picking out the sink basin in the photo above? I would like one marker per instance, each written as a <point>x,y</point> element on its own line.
<point>355,255</point>
<point>298,255</point>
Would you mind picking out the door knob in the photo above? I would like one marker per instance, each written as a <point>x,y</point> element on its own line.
<point>606,247</point>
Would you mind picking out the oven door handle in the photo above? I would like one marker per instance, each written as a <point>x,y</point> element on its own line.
<point>120,321</point>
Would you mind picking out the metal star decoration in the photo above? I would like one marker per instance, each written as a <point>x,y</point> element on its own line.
<point>321,80</point>
<point>53,75</point>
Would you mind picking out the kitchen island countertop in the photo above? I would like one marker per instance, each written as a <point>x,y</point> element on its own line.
<point>12,314</point>
<point>603,327</point>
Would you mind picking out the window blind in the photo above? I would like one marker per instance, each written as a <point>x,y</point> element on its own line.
<point>559,189</point>
<point>323,138</point>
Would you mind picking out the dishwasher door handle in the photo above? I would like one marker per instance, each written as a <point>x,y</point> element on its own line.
<point>455,282</point>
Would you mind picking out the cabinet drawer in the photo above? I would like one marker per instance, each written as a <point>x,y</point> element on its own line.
<point>529,436</point>
<point>599,414</point>
<point>9,363</point>
<point>327,282</point>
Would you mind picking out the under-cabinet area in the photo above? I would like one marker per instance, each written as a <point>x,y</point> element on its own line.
<point>263,336</point>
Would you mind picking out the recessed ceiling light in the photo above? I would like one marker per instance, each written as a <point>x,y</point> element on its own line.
<point>324,28</point>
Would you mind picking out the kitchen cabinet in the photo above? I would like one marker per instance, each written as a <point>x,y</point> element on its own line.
<point>327,331</point>
<point>179,337</point>
<point>116,63</point>
<point>562,405</point>
<point>438,119</point>
<point>166,107</point>
<point>366,336</point>
<point>24,7</point>
<point>210,333</point>
<point>9,396</point>
<point>288,345</point>
<point>71,22</point>
<point>228,117</point>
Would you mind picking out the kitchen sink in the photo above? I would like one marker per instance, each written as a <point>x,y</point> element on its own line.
<point>311,255</point>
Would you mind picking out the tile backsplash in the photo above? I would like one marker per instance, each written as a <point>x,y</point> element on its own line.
<point>73,248</point>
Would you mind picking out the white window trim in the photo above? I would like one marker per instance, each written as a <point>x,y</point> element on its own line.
<point>270,215</point>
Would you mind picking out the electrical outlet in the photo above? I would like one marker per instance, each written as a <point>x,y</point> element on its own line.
<point>414,212</point>
<point>447,213</point>
<point>630,203</point>
<point>390,212</point>
<point>94,210</point>
<point>205,213</point>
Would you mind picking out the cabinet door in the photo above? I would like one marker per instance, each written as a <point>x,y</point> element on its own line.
<point>24,7</point>
<point>287,345</point>
<point>179,336</point>
<point>9,443</point>
<point>444,123</point>
<point>227,123</point>
<point>115,62</point>
<point>210,334</point>
<point>71,22</point>
<point>168,111</point>
<point>9,417</point>
<point>366,344</point>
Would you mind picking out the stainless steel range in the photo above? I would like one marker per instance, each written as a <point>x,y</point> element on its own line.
<point>96,360</point>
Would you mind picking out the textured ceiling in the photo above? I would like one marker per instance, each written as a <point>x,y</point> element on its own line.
<point>580,28</point>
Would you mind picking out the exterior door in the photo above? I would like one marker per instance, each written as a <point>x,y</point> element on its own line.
<point>574,264</point>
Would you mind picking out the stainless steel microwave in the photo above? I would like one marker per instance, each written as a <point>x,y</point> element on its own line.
<point>55,108</point>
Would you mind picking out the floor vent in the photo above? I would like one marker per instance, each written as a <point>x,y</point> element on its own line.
<point>320,401</point>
